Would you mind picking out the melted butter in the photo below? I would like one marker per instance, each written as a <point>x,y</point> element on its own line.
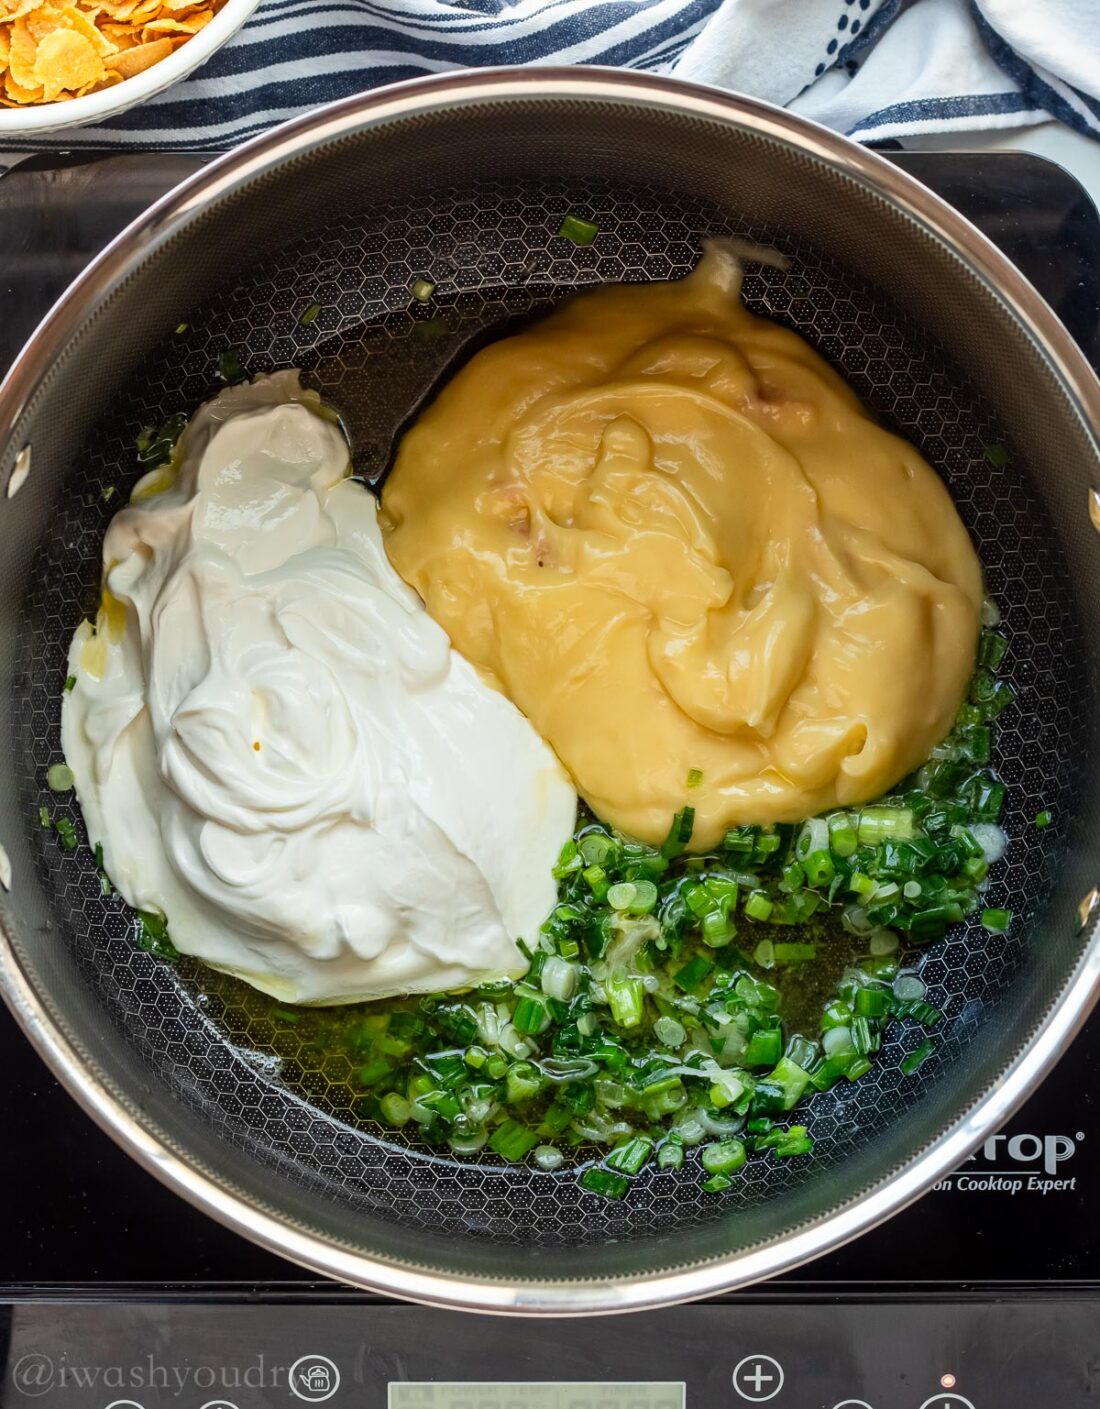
<point>96,640</point>
<point>671,534</point>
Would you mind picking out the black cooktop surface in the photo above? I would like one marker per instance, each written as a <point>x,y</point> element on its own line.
<point>80,1214</point>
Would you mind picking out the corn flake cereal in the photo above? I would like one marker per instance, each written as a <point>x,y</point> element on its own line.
<point>62,49</point>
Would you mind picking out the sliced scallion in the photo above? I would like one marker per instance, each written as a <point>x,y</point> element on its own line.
<point>604,1182</point>
<point>59,778</point>
<point>917,1058</point>
<point>578,230</point>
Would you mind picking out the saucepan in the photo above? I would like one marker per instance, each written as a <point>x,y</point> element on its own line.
<point>466,178</point>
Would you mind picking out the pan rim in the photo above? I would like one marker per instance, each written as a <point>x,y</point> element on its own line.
<point>897,1188</point>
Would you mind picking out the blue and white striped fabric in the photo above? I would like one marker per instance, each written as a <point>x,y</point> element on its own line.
<point>875,69</point>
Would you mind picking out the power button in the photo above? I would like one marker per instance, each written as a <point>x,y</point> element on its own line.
<point>947,1401</point>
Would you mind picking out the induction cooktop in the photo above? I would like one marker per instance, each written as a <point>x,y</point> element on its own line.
<point>115,1293</point>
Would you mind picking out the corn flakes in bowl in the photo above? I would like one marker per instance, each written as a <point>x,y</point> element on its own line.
<point>66,63</point>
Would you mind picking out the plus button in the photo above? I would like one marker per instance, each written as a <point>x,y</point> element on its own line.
<point>758,1378</point>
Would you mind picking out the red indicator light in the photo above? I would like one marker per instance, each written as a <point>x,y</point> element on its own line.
<point>948,1381</point>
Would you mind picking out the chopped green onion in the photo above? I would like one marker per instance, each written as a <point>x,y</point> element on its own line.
<point>843,834</point>
<point>724,1157</point>
<point>230,367</point>
<point>716,1183</point>
<point>819,868</point>
<point>395,1109</point>
<point>310,315</point>
<point>548,1158</point>
<point>977,743</point>
<point>558,978</point>
<point>513,1141</point>
<point>182,328</point>
<point>717,929</point>
<point>764,954</point>
<point>523,1084</point>
<point>996,921</point>
<point>917,1057</point>
<point>66,834</point>
<point>153,935</point>
<point>597,882</point>
<point>605,1183</point>
<point>105,886</point>
<point>878,823</point>
<point>44,816</point>
<point>740,840</point>
<point>627,999</point>
<point>679,834</point>
<point>813,837</point>
<point>764,1048</point>
<point>991,649</point>
<point>595,848</point>
<point>908,988</point>
<point>671,1153</point>
<point>997,456</point>
<point>621,896</point>
<point>1044,819</point>
<point>792,1081</point>
<point>531,1016</point>
<point>641,901</point>
<point>59,778</point>
<point>872,1003</point>
<point>70,683</point>
<point>422,290</point>
<point>693,975</point>
<point>925,1014</point>
<point>694,777</point>
<point>785,1143</point>
<point>578,230</point>
<point>669,1032</point>
<point>932,923</point>
<point>758,906</point>
<point>631,1155</point>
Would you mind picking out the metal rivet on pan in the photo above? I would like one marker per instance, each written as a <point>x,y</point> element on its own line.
<point>1094,508</point>
<point>1087,908</point>
<point>20,470</point>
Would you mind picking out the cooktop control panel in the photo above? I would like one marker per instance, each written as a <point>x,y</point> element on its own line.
<point>1016,1353</point>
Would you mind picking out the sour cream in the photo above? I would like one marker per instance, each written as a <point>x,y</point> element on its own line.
<point>276,745</point>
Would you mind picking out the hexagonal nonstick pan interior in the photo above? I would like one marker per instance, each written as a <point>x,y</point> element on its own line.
<point>495,257</point>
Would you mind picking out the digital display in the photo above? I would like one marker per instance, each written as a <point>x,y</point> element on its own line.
<point>544,1395</point>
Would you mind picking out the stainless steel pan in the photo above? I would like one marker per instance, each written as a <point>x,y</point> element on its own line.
<point>465,178</point>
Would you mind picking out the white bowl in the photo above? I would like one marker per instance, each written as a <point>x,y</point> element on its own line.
<point>38,119</point>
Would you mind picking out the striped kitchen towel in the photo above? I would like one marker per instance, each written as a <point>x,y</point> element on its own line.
<point>874,69</point>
